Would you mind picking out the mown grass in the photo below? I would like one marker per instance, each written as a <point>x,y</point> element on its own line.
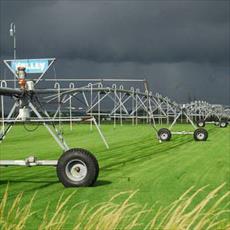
<point>135,161</point>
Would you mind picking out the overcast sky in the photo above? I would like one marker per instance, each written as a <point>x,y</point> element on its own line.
<point>181,47</point>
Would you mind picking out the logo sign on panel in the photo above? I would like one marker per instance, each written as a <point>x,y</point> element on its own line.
<point>31,65</point>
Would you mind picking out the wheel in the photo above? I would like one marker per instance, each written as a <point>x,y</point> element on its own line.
<point>164,134</point>
<point>77,168</point>
<point>223,124</point>
<point>200,134</point>
<point>200,123</point>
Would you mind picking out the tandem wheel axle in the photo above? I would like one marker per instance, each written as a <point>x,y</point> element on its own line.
<point>199,134</point>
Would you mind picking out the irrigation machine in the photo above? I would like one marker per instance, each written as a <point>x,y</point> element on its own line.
<point>91,100</point>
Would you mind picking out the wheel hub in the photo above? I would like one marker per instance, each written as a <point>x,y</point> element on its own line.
<point>76,170</point>
<point>200,136</point>
<point>164,136</point>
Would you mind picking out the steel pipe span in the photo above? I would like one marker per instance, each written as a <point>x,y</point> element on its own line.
<point>116,101</point>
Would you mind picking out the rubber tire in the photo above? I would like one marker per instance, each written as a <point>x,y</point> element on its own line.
<point>200,130</point>
<point>200,121</point>
<point>83,155</point>
<point>164,130</point>
<point>223,124</point>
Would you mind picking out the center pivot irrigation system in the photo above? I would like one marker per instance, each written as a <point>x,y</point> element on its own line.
<point>92,100</point>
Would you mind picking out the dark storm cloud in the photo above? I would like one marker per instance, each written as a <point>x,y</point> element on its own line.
<point>181,47</point>
<point>121,31</point>
<point>180,81</point>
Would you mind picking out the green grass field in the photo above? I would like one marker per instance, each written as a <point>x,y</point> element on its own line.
<point>161,172</point>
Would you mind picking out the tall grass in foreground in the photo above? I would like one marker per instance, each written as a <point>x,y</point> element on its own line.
<point>211,212</point>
